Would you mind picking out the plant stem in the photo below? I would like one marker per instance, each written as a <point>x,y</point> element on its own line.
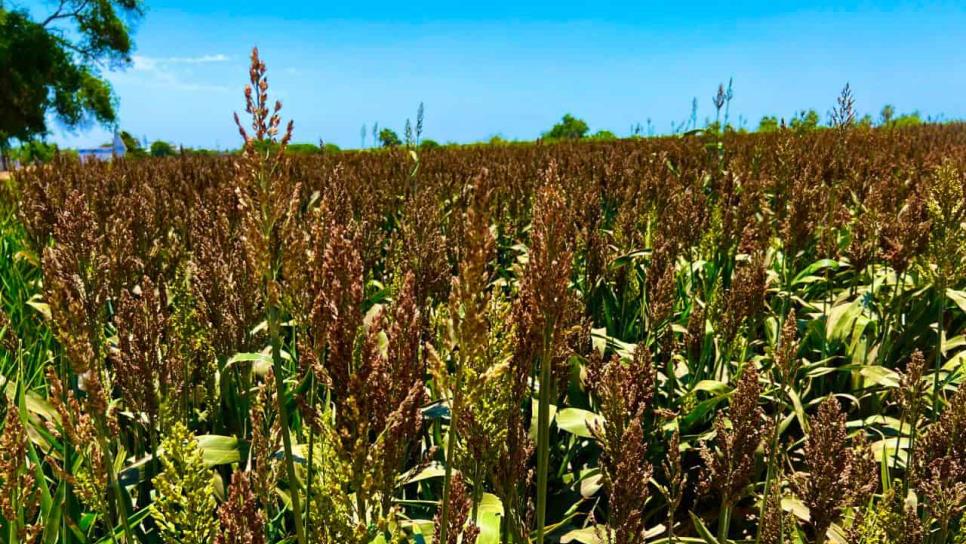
<point>477,494</point>
<point>543,436</point>
<point>769,475</point>
<point>724,521</point>
<point>895,454</point>
<point>121,509</point>
<point>311,467</point>
<point>448,472</point>
<point>939,347</point>
<point>273,327</point>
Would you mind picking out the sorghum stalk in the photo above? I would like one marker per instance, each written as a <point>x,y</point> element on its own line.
<point>273,327</point>
<point>543,433</point>
<point>941,295</point>
<point>724,520</point>
<point>311,467</point>
<point>262,195</point>
<point>121,509</point>
<point>785,361</point>
<point>544,290</point>
<point>450,457</point>
<point>450,454</point>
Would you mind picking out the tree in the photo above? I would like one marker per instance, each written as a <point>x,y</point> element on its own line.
<point>134,148</point>
<point>768,123</point>
<point>569,128</point>
<point>887,113</point>
<point>805,121</point>
<point>603,135</point>
<point>302,149</point>
<point>907,120</point>
<point>389,138</point>
<point>34,152</point>
<point>162,149</point>
<point>53,65</point>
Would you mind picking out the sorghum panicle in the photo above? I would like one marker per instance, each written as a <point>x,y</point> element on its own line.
<point>730,470</point>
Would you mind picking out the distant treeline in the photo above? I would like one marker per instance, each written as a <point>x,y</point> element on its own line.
<point>569,128</point>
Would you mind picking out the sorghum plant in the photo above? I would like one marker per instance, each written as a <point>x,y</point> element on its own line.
<point>344,347</point>
<point>838,476</point>
<point>626,393</point>
<point>729,470</point>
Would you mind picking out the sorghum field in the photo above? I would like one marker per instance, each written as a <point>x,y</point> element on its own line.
<point>707,338</point>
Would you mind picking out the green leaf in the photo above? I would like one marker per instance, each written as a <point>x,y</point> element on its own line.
<point>958,297</point>
<point>600,340</point>
<point>881,376</point>
<point>53,516</point>
<point>808,274</point>
<point>218,450</point>
<point>433,470</point>
<point>578,422</point>
<point>954,343</point>
<point>796,507</point>
<point>118,531</point>
<point>587,535</point>
<point>35,404</point>
<point>703,531</point>
<point>887,446</point>
<point>37,303</point>
<point>799,409</point>
<point>840,320</point>
<point>591,484</point>
<point>535,415</point>
<point>712,386</point>
<point>261,362</point>
<point>489,514</point>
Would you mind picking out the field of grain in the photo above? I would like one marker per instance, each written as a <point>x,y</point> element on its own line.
<point>706,338</point>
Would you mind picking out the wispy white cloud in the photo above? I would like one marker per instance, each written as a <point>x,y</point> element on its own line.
<point>168,71</point>
<point>146,64</point>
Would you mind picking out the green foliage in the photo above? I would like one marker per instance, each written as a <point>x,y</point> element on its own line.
<point>51,66</point>
<point>887,114</point>
<point>360,336</point>
<point>768,123</point>
<point>427,143</point>
<point>331,506</point>
<point>200,151</point>
<point>888,118</point>
<point>603,136</point>
<point>132,144</point>
<point>569,128</point>
<point>35,152</point>
<point>805,121</point>
<point>160,148</point>
<point>184,507</point>
<point>302,149</point>
<point>389,138</point>
<point>907,120</point>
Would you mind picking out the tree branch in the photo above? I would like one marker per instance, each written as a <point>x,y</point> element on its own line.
<point>59,14</point>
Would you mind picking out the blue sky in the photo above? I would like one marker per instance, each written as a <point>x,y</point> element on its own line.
<point>513,68</point>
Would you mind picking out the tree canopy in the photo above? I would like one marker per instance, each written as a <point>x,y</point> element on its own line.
<point>160,148</point>
<point>768,123</point>
<point>389,138</point>
<point>569,128</point>
<point>53,65</point>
